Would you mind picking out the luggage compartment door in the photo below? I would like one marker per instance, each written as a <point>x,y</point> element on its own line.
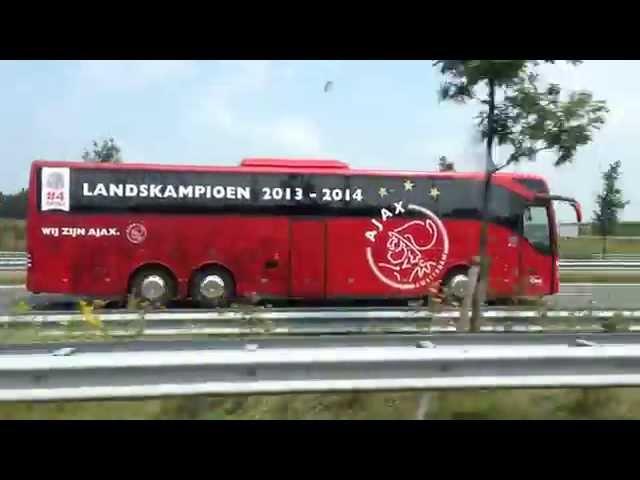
<point>308,262</point>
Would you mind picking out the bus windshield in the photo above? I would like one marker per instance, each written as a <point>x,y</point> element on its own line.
<point>536,227</point>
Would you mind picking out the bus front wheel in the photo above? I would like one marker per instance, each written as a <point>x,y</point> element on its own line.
<point>455,284</point>
<point>153,285</point>
<point>212,287</point>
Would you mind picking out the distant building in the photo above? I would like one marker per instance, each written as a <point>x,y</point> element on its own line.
<point>568,230</point>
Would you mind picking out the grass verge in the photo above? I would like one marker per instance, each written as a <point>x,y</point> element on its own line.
<point>586,247</point>
<point>12,234</point>
<point>13,278</point>
<point>471,404</point>
<point>603,277</point>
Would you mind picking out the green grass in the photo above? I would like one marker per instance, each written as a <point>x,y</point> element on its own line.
<point>622,229</point>
<point>585,247</point>
<point>12,235</point>
<point>13,278</point>
<point>595,277</point>
<point>471,404</point>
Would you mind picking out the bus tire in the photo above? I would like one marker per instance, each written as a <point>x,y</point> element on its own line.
<point>212,287</point>
<point>153,285</point>
<point>455,283</point>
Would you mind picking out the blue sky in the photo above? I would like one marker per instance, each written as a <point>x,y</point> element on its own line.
<point>381,114</point>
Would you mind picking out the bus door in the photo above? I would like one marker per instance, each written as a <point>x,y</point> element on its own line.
<point>505,274</point>
<point>536,253</point>
<point>307,243</point>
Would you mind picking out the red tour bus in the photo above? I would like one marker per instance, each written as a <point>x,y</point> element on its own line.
<point>277,228</point>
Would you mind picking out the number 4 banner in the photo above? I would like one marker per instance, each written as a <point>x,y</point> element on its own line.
<point>54,189</point>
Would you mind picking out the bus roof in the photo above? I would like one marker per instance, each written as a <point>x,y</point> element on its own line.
<point>279,165</point>
<point>308,166</point>
<point>293,163</point>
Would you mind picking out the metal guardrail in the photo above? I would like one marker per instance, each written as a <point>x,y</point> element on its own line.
<point>612,237</point>
<point>325,341</point>
<point>68,374</point>
<point>13,261</point>
<point>315,321</point>
<point>19,260</point>
<point>616,256</point>
<point>599,265</point>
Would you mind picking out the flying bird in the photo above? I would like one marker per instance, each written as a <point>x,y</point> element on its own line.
<point>328,86</point>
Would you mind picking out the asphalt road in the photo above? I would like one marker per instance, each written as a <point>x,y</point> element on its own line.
<point>607,295</point>
<point>572,295</point>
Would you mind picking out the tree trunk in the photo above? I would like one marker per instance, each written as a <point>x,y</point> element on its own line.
<point>468,295</point>
<point>604,246</point>
<point>481,286</point>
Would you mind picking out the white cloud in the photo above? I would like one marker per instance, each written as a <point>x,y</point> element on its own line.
<point>132,74</point>
<point>215,106</point>
<point>253,73</point>
<point>215,111</point>
<point>280,135</point>
<point>295,136</point>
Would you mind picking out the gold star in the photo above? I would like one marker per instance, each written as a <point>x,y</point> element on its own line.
<point>434,193</point>
<point>408,185</point>
<point>382,192</point>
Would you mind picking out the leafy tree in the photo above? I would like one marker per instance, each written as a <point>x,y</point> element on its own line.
<point>444,165</point>
<point>609,202</point>
<point>106,152</point>
<point>521,114</point>
<point>14,205</point>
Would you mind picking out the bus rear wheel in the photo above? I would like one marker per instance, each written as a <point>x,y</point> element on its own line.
<point>153,285</point>
<point>212,287</point>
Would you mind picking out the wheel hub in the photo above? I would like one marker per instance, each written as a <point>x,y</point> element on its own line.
<point>458,285</point>
<point>212,286</point>
<point>153,287</point>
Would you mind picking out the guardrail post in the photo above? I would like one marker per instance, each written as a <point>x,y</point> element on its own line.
<point>423,405</point>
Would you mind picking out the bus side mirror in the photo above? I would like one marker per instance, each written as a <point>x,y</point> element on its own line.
<point>576,207</point>
<point>574,203</point>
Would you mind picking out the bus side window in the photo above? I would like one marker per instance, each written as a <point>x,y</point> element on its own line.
<point>455,198</point>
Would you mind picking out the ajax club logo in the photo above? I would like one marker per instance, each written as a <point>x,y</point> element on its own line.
<point>136,233</point>
<point>55,189</point>
<point>410,251</point>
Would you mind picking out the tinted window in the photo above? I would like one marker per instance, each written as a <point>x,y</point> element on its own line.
<point>463,199</point>
<point>506,208</point>
<point>126,190</point>
<point>537,186</point>
<point>458,198</point>
<point>380,192</point>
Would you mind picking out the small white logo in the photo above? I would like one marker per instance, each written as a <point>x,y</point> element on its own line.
<point>136,233</point>
<point>54,189</point>
<point>535,280</point>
